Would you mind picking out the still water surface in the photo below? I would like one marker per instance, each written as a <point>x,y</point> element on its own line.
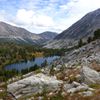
<point>28,64</point>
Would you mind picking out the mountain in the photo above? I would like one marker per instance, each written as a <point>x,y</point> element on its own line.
<point>20,35</point>
<point>48,35</point>
<point>82,29</point>
<point>17,34</point>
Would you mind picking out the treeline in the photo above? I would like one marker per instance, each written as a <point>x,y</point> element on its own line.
<point>27,70</point>
<point>90,39</point>
<point>8,74</point>
<point>11,53</point>
<point>53,52</point>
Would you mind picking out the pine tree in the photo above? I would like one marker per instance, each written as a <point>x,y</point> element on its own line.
<point>80,43</point>
<point>97,34</point>
<point>89,39</point>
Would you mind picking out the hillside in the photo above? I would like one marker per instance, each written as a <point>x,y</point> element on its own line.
<point>75,76</point>
<point>82,29</point>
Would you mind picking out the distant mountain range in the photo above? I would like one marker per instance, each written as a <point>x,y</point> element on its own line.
<point>82,29</point>
<point>20,35</point>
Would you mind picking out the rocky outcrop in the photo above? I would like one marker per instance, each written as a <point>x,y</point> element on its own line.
<point>76,87</point>
<point>87,93</point>
<point>90,76</point>
<point>34,84</point>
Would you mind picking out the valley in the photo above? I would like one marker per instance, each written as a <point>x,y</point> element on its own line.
<point>51,66</point>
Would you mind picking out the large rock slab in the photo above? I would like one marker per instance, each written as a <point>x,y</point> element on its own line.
<point>34,84</point>
<point>90,76</point>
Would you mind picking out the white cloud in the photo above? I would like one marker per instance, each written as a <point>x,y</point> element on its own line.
<point>24,17</point>
<point>30,20</point>
<point>76,9</point>
<point>52,15</point>
<point>30,17</point>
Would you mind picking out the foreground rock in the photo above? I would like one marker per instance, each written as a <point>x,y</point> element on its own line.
<point>90,76</point>
<point>33,85</point>
<point>76,87</point>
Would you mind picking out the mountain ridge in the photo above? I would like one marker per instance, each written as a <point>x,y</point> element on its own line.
<point>10,32</point>
<point>82,29</point>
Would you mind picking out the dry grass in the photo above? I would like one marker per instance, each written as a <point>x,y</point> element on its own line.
<point>96,66</point>
<point>68,75</point>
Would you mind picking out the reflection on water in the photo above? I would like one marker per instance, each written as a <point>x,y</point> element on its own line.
<point>28,64</point>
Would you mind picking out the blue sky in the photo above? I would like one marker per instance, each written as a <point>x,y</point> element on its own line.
<point>45,15</point>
